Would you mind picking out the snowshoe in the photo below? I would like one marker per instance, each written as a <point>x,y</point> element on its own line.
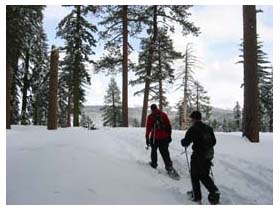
<point>173,173</point>
<point>190,196</point>
<point>154,166</point>
<point>214,198</point>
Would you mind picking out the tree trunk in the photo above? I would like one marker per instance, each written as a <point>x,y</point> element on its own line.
<point>8,97</point>
<point>184,108</point>
<point>251,122</point>
<point>149,70</point>
<point>76,77</point>
<point>69,108</point>
<point>160,80</point>
<point>52,119</point>
<point>24,120</point>
<point>125,68</point>
<point>197,97</point>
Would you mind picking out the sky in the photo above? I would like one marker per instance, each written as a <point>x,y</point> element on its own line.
<point>217,47</point>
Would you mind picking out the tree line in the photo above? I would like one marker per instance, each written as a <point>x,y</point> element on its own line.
<point>28,64</point>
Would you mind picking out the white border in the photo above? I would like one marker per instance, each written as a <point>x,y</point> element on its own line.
<point>276,146</point>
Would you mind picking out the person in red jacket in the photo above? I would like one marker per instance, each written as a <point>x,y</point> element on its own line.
<point>158,135</point>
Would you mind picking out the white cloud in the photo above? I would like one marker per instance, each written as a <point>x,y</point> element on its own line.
<point>55,13</point>
<point>222,23</point>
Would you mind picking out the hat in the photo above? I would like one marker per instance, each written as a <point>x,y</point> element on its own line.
<point>153,106</point>
<point>196,115</point>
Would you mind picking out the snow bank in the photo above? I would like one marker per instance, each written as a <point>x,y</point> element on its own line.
<point>108,166</point>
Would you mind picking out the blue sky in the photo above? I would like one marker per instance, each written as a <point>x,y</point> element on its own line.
<point>217,46</point>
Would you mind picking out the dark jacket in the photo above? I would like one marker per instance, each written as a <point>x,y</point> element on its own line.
<point>202,137</point>
<point>158,134</point>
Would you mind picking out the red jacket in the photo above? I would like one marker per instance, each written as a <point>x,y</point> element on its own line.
<point>159,134</point>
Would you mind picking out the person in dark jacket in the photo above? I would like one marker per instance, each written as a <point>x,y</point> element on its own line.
<point>203,140</point>
<point>158,136</point>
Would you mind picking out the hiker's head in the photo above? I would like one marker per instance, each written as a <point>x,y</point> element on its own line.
<point>195,116</point>
<point>154,107</point>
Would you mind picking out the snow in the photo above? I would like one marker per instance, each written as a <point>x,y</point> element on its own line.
<point>108,166</point>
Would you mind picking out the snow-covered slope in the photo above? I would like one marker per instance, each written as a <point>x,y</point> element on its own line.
<point>108,166</point>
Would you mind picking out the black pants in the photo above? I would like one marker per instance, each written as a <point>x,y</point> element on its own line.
<point>200,169</point>
<point>162,145</point>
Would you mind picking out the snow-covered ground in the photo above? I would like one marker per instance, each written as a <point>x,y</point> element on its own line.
<point>108,166</point>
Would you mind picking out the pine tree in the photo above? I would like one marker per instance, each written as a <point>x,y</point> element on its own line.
<point>251,121</point>
<point>65,92</point>
<point>202,101</point>
<point>23,25</point>
<point>52,112</point>
<point>265,86</point>
<point>112,109</point>
<point>162,14</point>
<point>162,71</point>
<point>86,121</point>
<point>237,116</point>
<point>178,121</point>
<point>15,35</point>
<point>39,80</point>
<point>77,33</point>
<point>120,22</point>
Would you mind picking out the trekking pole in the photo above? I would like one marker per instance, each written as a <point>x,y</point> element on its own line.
<point>186,151</point>
<point>154,134</point>
<point>211,172</point>
<point>189,169</point>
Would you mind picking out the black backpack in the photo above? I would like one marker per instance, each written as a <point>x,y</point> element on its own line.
<point>158,124</point>
<point>208,142</point>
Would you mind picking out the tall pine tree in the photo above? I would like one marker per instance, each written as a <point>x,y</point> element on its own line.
<point>250,117</point>
<point>162,70</point>
<point>265,87</point>
<point>237,116</point>
<point>24,26</point>
<point>112,109</point>
<point>120,23</point>
<point>166,15</point>
<point>202,101</point>
<point>79,40</point>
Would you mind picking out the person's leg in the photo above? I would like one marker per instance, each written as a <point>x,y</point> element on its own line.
<point>154,155</point>
<point>206,179</point>
<point>195,176</point>
<point>163,148</point>
<point>214,194</point>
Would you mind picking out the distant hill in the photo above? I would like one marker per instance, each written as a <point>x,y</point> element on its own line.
<point>95,113</point>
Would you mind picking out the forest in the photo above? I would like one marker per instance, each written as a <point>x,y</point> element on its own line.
<point>45,88</point>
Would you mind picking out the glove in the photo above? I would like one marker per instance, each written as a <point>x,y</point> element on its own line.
<point>183,143</point>
<point>148,143</point>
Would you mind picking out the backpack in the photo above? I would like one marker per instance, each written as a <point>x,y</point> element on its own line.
<point>158,121</point>
<point>208,142</point>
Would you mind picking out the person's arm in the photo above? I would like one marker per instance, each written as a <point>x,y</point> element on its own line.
<point>188,138</point>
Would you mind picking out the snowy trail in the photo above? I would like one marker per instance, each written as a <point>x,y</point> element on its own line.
<point>108,166</point>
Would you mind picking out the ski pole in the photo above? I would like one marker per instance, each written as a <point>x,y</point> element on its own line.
<point>211,172</point>
<point>186,151</point>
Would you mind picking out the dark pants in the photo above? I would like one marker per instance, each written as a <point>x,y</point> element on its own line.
<point>162,145</point>
<point>200,169</point>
